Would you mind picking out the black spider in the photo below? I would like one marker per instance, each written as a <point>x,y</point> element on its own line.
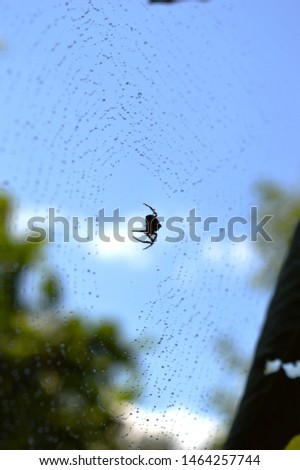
<point>151,226</point>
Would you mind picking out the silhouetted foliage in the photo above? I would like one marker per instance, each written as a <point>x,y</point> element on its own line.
<point>269,413</point>
<point>57,373</point>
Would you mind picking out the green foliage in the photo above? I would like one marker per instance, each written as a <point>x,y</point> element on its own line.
<point>294,443</point>
<point>284,206</point>
<point>58,387</point>
<point>50,290</point>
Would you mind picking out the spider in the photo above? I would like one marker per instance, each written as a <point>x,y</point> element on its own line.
<point>150,230</point>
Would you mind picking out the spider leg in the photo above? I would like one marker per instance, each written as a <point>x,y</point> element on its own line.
<point>153,237</point>
<point>153,210</point>
<point>142,241</point>
<point>149,244</point>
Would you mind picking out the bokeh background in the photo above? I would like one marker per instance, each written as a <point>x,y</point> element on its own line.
<point>110,105</point>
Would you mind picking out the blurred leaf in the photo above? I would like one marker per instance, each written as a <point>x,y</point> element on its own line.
<point>294,443</point>
<point>284,206</point>
<point>51,291</point>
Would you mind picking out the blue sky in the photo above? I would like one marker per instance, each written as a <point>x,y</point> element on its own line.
<point>184,106</point>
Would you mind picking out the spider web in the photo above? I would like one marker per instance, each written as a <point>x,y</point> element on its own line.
<point>110,106</point>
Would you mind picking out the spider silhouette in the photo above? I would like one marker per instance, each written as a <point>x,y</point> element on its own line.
<point>151,226</point>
